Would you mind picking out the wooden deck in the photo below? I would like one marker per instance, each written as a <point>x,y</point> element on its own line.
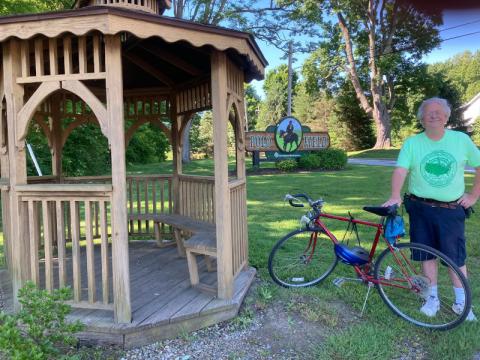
<point>163,302</point>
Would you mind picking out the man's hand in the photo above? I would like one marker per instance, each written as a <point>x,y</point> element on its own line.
<point>393,201</point>
<point>467,200</point>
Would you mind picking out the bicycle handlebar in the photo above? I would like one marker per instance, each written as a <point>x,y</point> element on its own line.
<point>291,199</point>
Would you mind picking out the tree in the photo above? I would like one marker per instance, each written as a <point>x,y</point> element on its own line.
<point>312,110</point>
<point>366,42</point>
<point>275,105</point>
<point>350,128</point>
<point>253,102</point>
<point>11,7</point>
<point>463,71</point>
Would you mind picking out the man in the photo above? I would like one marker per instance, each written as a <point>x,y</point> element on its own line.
<point>435,161</point>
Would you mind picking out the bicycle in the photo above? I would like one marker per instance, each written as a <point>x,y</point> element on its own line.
<point>307,256</point>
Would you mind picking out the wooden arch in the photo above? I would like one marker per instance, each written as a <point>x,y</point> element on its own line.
<point>48,88</point>
<point>236,120</point>
<point>136,125</point>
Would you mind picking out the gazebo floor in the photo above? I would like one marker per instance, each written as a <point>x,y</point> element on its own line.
<point>164,304</point>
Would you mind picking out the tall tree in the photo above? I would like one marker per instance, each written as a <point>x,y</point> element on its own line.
<point>367,40</point>
<point>463,71</point>
<point>275,105</point>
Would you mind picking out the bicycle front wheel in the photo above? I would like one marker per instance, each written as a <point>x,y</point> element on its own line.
<point>302,258</point>
<point>405,289</point>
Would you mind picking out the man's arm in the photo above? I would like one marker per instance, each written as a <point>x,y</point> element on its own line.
<point>469,199</point>
<point>398,179</point>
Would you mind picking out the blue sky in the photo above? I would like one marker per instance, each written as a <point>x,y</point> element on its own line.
<point>447,49</point>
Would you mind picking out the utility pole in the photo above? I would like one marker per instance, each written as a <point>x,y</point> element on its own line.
<point>290,51</point>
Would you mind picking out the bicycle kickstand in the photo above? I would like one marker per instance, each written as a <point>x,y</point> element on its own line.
<point>370,285</point>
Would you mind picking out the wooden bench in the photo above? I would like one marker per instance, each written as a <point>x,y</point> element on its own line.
<point>178,223</point>
<point>202,242</point>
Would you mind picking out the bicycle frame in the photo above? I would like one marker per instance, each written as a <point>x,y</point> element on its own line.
<point>364,271</point>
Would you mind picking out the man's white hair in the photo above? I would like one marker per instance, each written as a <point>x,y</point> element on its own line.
<point>442,102</point>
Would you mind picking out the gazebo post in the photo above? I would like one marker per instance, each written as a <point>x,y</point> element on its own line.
<point>116,131</point>
<point>222,192</point>
<point>20,255</point>
<point>56,137</point>
<point>176,152</point>
<point>5,174</point>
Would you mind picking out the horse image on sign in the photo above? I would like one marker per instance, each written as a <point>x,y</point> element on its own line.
<point>288,134</point>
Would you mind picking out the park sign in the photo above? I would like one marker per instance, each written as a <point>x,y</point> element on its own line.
<point>287,139</point>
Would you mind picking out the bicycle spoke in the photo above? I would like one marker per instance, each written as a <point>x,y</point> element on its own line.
<point>302,258</point>
<point>407,300</point>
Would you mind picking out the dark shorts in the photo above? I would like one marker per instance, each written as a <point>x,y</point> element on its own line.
<point>438,227</point>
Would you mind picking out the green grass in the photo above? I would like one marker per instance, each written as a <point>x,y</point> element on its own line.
<point>375,154</point>
<point>379,334</point>
<point>202,167</point>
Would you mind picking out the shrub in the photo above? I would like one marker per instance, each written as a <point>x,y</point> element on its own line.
<point>332,159</point>
<point>287,165</point>
<point>38,330</point>
<point>309,161</point>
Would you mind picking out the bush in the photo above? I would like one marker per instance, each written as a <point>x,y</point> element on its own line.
<point>287,165</point>
<point>328,159</point>
<point>39,330</point>
<point>309,161</point>
<point>332,159</point>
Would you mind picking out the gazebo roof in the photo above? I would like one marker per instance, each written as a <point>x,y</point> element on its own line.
<point>113,20</point>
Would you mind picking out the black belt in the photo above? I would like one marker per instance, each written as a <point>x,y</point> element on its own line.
<point>435,203</point>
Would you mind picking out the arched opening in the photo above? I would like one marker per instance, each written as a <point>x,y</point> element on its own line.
<point>235,140</point>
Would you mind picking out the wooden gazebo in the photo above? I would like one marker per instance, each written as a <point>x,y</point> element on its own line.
<point>103,62</point>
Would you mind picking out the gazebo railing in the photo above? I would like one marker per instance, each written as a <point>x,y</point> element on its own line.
<point>238,210</point>
<point>57,260</point>
<point>196,196</point>
<point>150,6</point>
<point>148,194</point>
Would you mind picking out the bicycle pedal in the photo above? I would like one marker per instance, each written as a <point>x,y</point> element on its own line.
<point>338,282</point>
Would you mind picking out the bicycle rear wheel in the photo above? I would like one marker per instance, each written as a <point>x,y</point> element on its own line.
<point>404,288</point>
<point>302,258</point>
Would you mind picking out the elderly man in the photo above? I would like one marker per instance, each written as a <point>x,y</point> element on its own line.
<point>435,161</point>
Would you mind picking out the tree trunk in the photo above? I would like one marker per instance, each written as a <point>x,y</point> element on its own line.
<point>383,125</point>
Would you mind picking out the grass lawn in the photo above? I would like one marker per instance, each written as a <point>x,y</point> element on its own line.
<point>379,334</point>
<point>375,154</point>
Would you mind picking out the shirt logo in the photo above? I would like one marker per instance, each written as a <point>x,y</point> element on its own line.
<point>438,168</point>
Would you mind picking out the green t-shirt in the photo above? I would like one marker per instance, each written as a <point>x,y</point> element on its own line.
<point>436,168</point>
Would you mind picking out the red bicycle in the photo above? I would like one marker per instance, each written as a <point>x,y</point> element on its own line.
<point>305,257</point>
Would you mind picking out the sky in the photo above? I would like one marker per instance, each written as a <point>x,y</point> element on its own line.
<point>448,48</point>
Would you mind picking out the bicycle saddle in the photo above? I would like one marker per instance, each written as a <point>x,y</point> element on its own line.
<point>382,211</point>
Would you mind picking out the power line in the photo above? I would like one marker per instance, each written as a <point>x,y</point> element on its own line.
<point>460,36</point>
<point>441,41</point>
<point>460,25</point>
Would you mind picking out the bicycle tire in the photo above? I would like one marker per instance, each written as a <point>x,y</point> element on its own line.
<point>404,288</point>
<point>293,264</point>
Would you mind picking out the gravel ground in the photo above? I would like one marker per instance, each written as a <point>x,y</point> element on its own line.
<point>221,341</point>
<point>265,332</point>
